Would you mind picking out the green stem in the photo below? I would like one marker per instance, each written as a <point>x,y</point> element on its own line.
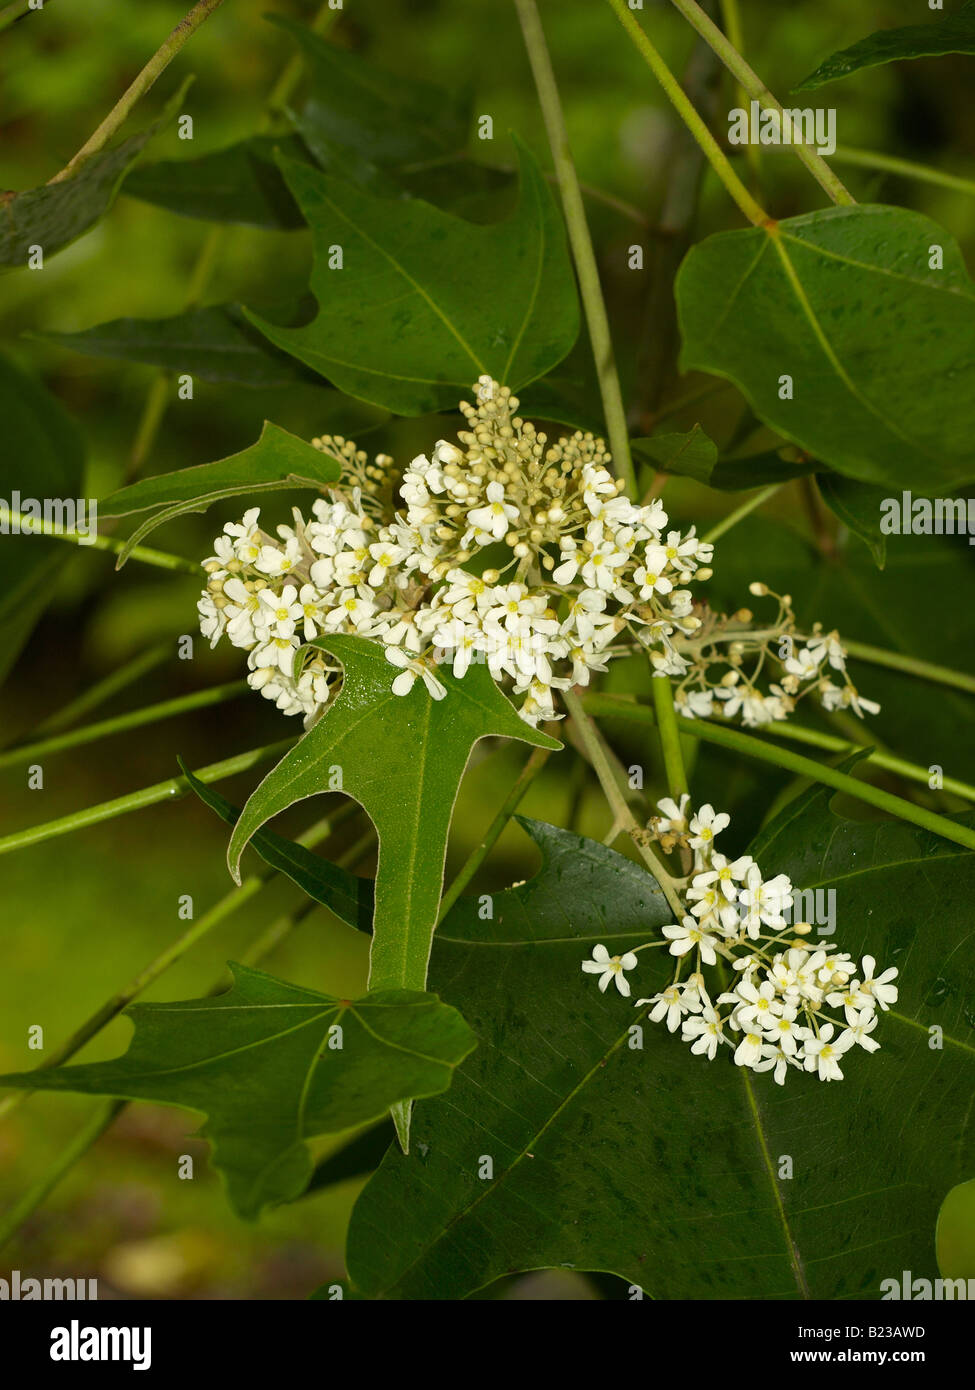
<point>101,691</point>
<point>529,772</point>
<point>913,665</point>
<point>137,89</point>
<point>756,89</point>
<point>752,747</point>
<point>580,240</point>
<point>29,526</point>
<point>713,152</point>
<point>134,719</point>
<point>228,904</point>
<point>731,19</point>
<point>663,703</point>
<point>103,1120</point>
<point>733,518</point>
<point>911,772</point>
<point>623,816</point>
<point>888,164</point>
<point>170,790</point>
<point>158,395</point>
<point>76,1149</point>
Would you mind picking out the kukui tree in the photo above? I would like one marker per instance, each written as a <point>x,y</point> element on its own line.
<point>617,1065</point>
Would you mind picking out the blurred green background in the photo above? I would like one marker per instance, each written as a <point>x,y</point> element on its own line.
<point>83,913</point>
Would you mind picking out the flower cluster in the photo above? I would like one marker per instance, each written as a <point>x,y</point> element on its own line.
<point>511,551</point>
<point>775,1015</point>
<point>508,550</point>
<point>725,659</point>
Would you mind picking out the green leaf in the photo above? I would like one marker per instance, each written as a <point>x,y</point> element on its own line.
<point>955,1232</point>
<point>351,898</point>
<point>858,506</point>
<point>735,472</point>
<point>361,112</point>
<point>264,1064</point>
<point>692,455</point>
<point>402,758</point>
<point>240,183</point>
<point>669,1163</point>
<point>880,348</point>
<point>356,1159</point>
<point>424,302</point>
<point>56,214</point>
<point>214,344</point>
<point>43,458</point>
<point>955,33</point>
<point>278,460</point>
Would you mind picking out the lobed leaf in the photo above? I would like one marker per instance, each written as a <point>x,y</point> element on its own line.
<point>424,302</point>
<point>264,1064</point>
<point>402,758</point>
<point>669,1163</point>
<point>880,348</point>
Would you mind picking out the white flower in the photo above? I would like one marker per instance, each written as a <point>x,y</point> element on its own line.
<point>705,1029</point>
<point>675,817</point>
<point>276,559</point>
<point>670,1004</point>
<point>412,670</point>
<point>861,1025</point>
<point>724,873</point>
<point>493,519</point>
<point>685,937</point>
<point>749,1050</point>
<point>705,825</point>
<point>880,988</point>
<point>609,967</point>
<point>822,1054</point>
<point>279,613</point>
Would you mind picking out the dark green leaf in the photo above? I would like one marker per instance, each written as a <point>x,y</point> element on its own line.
<point>858,506</point>
<point>954,33</point>
<point>880,348</point>
<point>241,184</point>
<point>351,898</point>
<point>424,302</point>
<point>692,455</point>
<point>214,344</point>
<point>262,1062</point>
<point>361,112</point>
<point>737,471</point>
<point>57,213</point>
<point>43,458</point>
<point>359,1156</point>
<point>668,1163</point>
<point>278,460</point>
